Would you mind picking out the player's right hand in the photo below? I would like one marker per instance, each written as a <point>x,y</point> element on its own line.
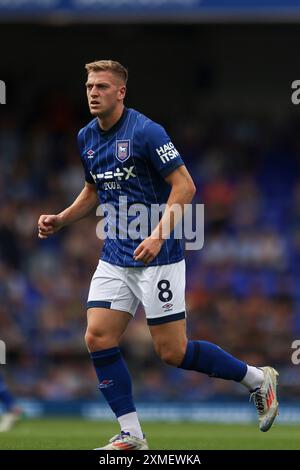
<point>48,224</point>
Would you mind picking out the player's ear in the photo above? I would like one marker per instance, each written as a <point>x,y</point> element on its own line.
<point>122,92</point>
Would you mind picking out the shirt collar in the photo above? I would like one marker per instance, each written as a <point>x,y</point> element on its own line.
<point>116,126</point>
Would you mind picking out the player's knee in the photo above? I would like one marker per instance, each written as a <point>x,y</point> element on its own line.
<point>170,355</point>
<point>90,340</point>
<point>99,341</point>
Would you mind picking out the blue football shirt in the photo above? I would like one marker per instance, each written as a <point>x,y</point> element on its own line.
<point>130,161</point>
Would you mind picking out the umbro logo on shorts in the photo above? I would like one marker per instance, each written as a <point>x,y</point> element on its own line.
<point>167,307</point>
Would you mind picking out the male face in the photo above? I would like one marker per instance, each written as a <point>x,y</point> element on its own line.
<point>105,91</point>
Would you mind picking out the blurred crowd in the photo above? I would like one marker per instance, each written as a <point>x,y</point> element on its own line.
<point>243,287</point>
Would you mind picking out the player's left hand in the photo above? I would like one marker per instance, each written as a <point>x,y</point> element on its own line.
<point>147,250</point>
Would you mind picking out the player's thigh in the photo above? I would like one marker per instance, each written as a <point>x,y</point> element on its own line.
<point>111,304</point>
<point>106,324</point>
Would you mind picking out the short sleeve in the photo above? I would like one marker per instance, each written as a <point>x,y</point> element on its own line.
<point>160,150</point>
<point>88,176</point>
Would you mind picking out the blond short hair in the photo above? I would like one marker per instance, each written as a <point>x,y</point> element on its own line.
<point>108,66</point>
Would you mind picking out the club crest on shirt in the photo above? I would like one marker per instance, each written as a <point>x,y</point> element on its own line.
<point>122,150</point>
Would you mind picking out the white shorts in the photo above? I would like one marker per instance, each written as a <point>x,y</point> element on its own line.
<point>160,289</point>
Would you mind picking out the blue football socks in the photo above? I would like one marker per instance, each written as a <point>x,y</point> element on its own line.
<point>114,380</point>
<point>210,359</point>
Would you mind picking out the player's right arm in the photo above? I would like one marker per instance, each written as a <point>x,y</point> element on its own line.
<point>48,224</point>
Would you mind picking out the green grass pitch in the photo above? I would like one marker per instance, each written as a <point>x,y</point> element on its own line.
<point>69,434</point>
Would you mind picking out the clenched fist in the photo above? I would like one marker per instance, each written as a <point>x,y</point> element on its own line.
<point>49,224</point>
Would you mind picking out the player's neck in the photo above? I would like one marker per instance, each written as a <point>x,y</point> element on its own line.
<point>108,122</point>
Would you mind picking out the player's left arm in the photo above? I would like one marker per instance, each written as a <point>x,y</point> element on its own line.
<point>182,192</point>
